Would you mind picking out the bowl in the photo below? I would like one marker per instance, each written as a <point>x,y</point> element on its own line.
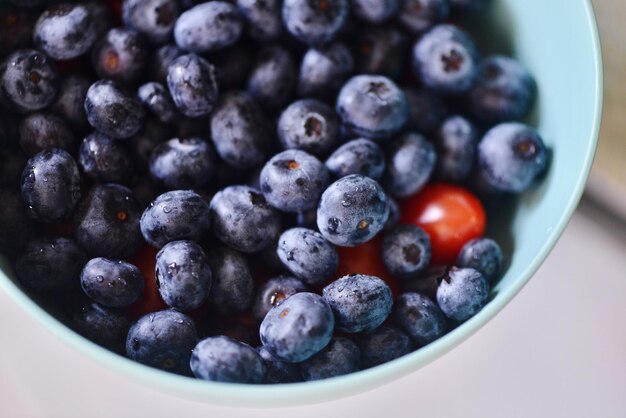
<point>558,42</point>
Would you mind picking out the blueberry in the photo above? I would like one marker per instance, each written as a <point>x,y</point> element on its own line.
<point>153,18</point>
<point>382,51</point>
<point>352,210</point>
<point>143,143</point>
<point>308,255</point>
<point>50,264</point>
<point>164,340</point>
<point>112,283</point>
<point>121,55</point>
<point>50,185</point>
<point>183,275</point>
<point>243,220</point>
<point>104,160</point>
<point>65,31</point>
<point>223,359</point>
<point>175,215</point>
<point>273,292</point>
<point>309,125</point>
<point>239,130</point>
<point>483,255</point>
<point>113,112</point>
<point>183,163</point>
<point>315,22</point>
<point>107,222</point>
<point>273,77</point>
<point>427,282</point>
<point>427,111</point>
<point>105,327</point>
<point>511,156</point>
<point>70,101</point>
<point>16,30</point>
<point>158,101</point>
<point>192,84</point>
<point>385,343</point>
<point>372,106</point>
<point>16,230</point>
<point>341,356</point>
<point>410,164</point>
<point>298,328</point>
<point>417,16</point>
<point>161,60</point>
<point>44,131</point>
<point>28,80</point>
<point>504,91</point>
<point>323,70</point>
<point>232,288</point>
<point>419,317</point>
<point>406,251</point>
<point>293,180</point>
<point>208,27</point>
<point>375,11</point>
<point>446,59</point>
<point>263,18</point>
<point>462,293</point>
<point>277,371</point>
<point>232,66</point>
<point>456,143</point>
<point>359,156</point>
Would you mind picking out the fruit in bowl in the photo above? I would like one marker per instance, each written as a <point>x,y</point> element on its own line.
<point>328,211</point>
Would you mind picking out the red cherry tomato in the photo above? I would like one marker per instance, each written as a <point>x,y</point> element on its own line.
<point>145,260</point>
<point>449,214</point>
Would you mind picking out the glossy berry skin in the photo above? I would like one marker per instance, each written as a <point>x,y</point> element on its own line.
<point>154,19</point>
<point>183,275</point>
<point>405,251</point>
<point>341,356</point>
<point>65,31</point>
<point>372,106</point>
<point>483,255</point>
<point>164,340</point>
<point>69,103</point>
<point>446,60</point>
<point>183,163</point>
<point>385,343</point>
<point>273,292</point>
<point>462,293</point>
<point>359,156</point>
<point>208,27</point>
<point>315,22</point>
<point>104,160</point>
<point>50,185</point>
<point>273,77</point>
<point>308,255</point>
<point>175,215</point>
<point>105,327</point>
<point>298,328</point>
<point>28,80</point>
<point>223,359</point>
<point>107,222</point>
<point>243,220</point>
<point>419,317</point>
<point>192,85</point>
<point>156,98</point>
<point>293,181</point>
<point>112,283</point>
<point>323,70</point>
<point>417,16</point>
<point>427,110</point>
<point>263,18</point>
<point>352,210</point>
<point>232,289</point>
<point>112,111</point>
<point>375,11</point>
<point>121,55</point>
<point>411,161</point>
<point>382,51</point>
<point>456,143</point>
<point>16,230</point>
<point>309,125</point>
<point>44,131</point>
<point>511,156</point>
<point>277,371</point>
<point>50,264</point>
<point>160,61</point>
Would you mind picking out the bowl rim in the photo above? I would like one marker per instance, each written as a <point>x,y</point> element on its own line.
<point>319,391</point>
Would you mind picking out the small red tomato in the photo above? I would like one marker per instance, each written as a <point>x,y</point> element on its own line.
<point>449,214</point>
<point>145,260</point>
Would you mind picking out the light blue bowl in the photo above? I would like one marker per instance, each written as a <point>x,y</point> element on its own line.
<point>558,41</point>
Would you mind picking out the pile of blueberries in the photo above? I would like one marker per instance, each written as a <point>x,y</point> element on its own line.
<point>246,141</point>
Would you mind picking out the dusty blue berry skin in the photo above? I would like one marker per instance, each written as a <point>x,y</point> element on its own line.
<point>273,77</point>
<point>104,160</point>
<point>50,185</point>
<point>233,286</point>
<point>359,156</point>
<point>183,163</point>
<point>208,27</point>
<point>411,162</point>
<point>419,317</point>
<point>462,293</point>
<point>406,251</point>
<point>175,215</point>
<point>121,55</point>
<point>277,371</point>
<point>161,60</point>
<point>293,181</point>
<point>456,143</point>
<point>154,19</point>
<point>28,80</point>
<point>50,264</point>
<point>382,51</point>
<point>243,220</point>
<point>112,283</point>
<point>113,112</point>
<point>511,156</point>
<point>192,84</point>
<point>483,255</point>
<point>298,328</point>
<point>223,359</point>
<point>309,125</point>
<point>341,356</point>
<point>323,70</point>
<point>427,110</point>
<point>107,222</point>
<point>156,98</point>
<point>308,255</point>
<point>164,340</point>
<point>315,23</point>
<point>273,292</point>
<point>263,18</point>
<point>360,302</point>
<point>385,343</point>
<point>183,275</point>
<point>372,106</point>
<point>105,327</point>
<point>375,11</point>
<point>44,131</point>
<point>446,59</point>
<point>69,103</point>
<point>417,16</point>
<point>16,230</point>
<point>504,91</point>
